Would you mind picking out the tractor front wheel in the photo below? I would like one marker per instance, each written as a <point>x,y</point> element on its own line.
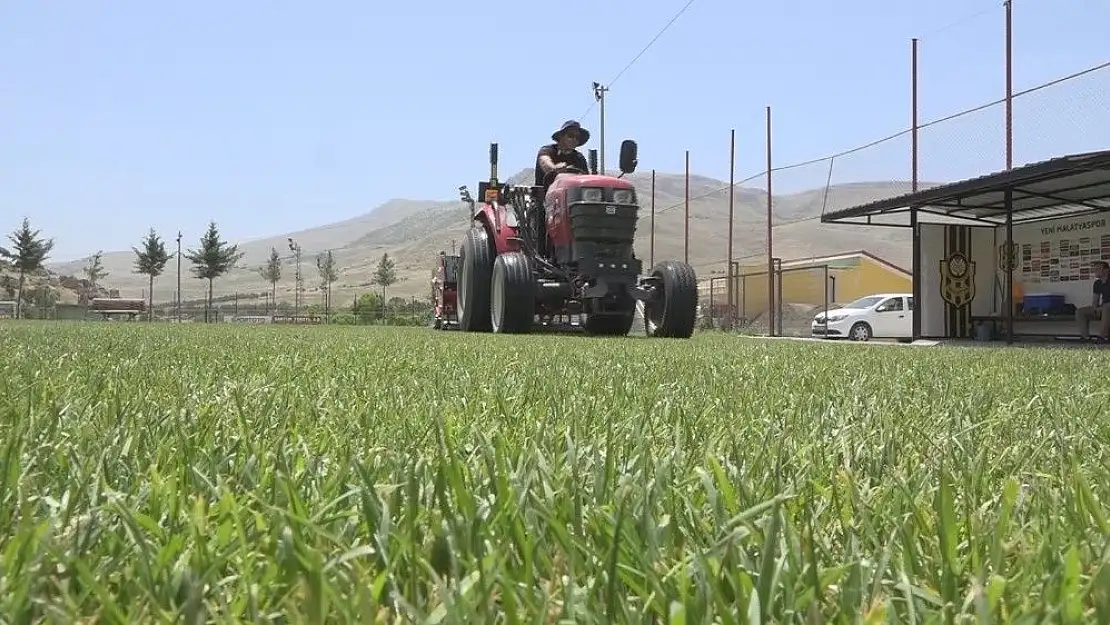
<point>513,296</point>
<point>476,262</point>
<point>673,311</point>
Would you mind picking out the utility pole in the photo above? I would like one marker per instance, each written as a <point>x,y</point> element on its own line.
<point>686,220</point>
<point>296,249</point>
<point>179,276</point>
<point>599,95</point>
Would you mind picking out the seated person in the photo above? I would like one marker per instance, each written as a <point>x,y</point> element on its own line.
<point>1100,304</point>
<point>1019,295</point>
<point>562,153</point>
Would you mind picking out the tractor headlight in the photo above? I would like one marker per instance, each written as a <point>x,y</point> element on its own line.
<point>591,195</point>
<point>624,196</point>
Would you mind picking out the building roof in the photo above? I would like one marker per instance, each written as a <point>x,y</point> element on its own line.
<point>1071,185</point>
<point>825,260</point>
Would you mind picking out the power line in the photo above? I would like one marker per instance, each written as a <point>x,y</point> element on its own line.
<point>897,135</point>
<point>759,257</point>
<point>641,53</point>
<point>709,193</point>
<point>963,20</point>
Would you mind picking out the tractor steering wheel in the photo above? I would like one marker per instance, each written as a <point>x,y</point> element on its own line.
<point>549,177</point>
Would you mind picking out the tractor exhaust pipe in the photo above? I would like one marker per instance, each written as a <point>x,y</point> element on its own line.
<point>493,163</point>
<point>593,162</point>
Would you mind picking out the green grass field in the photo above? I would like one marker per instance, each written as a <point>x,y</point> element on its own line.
<point>235,474</point>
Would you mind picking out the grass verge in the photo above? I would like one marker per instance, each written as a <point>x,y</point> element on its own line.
<point>229,474</point>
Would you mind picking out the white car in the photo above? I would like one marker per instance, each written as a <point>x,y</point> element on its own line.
<point>884,316</point>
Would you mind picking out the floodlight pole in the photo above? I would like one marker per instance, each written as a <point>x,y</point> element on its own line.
<point>296,249</point>
<point>599,95</point>
<point>464,195</point>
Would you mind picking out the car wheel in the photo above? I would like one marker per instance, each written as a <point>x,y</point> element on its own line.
<point>860,332</point>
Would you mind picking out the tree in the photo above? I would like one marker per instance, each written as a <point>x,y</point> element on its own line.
<point>325,265</point>
<point>27,254</point>
<point>214,258</point>
<point>271,272</point>
<point>94,271</point>
<point>150,261</point>
<point>367,307</point>
<point>386,273</point>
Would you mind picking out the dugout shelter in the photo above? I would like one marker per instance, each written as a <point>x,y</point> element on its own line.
<point>1035,229</point>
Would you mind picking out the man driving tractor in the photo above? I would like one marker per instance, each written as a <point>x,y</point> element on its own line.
<point>563,153</point>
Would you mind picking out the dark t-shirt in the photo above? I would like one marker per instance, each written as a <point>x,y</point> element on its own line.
<point>1102,289</point>
<point>573,158</point>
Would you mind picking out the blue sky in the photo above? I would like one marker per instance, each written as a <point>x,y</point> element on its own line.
<point>274,116</point>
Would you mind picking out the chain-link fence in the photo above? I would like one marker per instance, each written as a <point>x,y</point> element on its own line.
<point>785,305</point>
<point>370,308</point>
<point>1067,115</point>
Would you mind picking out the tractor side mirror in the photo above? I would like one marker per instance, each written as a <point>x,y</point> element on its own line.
<point>628,156</point>
<point>593,161</point>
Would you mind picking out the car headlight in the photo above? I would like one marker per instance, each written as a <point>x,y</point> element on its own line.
<point>835,318</point>
<point>591,195</point>
<point>624,196</point>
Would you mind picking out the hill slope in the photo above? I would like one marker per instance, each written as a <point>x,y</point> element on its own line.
<point>413,231</point>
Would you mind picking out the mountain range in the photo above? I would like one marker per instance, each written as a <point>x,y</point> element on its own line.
<point>413,231</point>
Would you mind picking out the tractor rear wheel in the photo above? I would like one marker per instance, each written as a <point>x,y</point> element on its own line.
<point>476,272</point>
<point>513,296</point>
<point>672,313</point>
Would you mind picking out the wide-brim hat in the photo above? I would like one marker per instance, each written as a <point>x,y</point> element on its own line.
<point>570,124</point>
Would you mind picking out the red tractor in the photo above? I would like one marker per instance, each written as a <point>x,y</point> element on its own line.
<point>531,257</point>
<point>445,292</point>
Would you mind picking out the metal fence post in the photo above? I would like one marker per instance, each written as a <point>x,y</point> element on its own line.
<point>776,304</point>
<point>712,288</point>
<point>744,296</point>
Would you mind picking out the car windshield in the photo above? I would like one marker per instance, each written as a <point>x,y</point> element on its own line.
<point>865,302</point>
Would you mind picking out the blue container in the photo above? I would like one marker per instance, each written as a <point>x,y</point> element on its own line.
<point>1039,303</point>
<point>984,331</point>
